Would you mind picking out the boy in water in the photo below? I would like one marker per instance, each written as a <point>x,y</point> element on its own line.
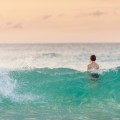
<point>93,65</point>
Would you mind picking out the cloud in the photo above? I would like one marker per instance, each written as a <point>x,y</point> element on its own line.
<point>46,17</point>
<point>96,13</point>
<point>17,26</point>
<point>11,25</point>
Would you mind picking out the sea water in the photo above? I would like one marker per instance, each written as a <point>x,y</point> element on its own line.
<point>50,82</point>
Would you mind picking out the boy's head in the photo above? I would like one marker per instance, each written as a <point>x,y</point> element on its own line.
<point>93,58</point>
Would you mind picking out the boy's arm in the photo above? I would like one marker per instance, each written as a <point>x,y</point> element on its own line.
<point>88,68</point>
<point>97,66</point>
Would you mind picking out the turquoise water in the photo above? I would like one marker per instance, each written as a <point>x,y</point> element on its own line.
<point>46,82</point>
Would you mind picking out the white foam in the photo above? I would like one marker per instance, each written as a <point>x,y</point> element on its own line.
<point>8,89</point>
<point>58,56</point>
<point>7,85</point>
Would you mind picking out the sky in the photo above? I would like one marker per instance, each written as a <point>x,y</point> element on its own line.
<point>59,21</point>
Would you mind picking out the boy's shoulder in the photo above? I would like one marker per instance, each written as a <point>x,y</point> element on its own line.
<point>89,65</point>
<point>96,64</point>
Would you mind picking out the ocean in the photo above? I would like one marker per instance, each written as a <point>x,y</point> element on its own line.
<point>50,82</point>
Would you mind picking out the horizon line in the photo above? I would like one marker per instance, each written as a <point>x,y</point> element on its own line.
<point>65,43</point>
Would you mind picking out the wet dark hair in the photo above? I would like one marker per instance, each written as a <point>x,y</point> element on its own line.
<point>93,58</point>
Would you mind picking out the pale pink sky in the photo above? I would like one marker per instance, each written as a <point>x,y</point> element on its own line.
<point>46,21</point>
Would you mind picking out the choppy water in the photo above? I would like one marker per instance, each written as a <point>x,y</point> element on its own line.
<point>50,82</point>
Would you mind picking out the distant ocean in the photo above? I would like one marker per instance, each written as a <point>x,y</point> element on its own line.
<point>50,82</point>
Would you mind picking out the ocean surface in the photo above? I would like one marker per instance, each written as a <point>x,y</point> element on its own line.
<point>50,82</point>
